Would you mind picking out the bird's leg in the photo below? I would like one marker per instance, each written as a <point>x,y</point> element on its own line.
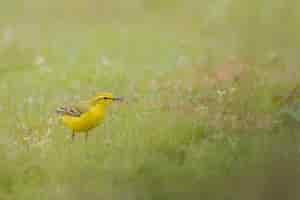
<point>73,136</point>
<point>86,136</point>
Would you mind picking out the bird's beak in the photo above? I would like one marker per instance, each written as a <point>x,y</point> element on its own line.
<point>118,99</point>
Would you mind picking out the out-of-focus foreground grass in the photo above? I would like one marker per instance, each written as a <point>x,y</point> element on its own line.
<point>199,78</point>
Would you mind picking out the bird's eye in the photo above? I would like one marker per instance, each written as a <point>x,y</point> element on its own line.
<point>105,98</point>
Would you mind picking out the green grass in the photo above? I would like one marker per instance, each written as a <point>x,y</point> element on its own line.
<point>183,133</point>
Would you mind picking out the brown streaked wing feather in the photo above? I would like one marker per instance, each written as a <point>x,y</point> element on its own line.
<point>75,110</point>
<point>71,111</point>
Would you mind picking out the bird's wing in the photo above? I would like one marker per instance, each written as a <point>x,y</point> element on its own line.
<point>74,110</point>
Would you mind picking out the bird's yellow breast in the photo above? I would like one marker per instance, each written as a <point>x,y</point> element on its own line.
<point>86,121</point>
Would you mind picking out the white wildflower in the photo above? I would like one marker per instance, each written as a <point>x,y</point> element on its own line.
<point>39,60</point>
<point>221,93</point>
<point>104,60</point>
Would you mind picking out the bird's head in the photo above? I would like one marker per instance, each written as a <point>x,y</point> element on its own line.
<point>105,98</point>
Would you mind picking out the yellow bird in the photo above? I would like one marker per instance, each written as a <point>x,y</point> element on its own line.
<point>84,116</point>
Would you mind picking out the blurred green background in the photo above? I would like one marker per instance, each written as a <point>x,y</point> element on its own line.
<point>212,108</point>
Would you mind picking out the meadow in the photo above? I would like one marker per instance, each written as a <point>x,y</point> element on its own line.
<point>201,80</point>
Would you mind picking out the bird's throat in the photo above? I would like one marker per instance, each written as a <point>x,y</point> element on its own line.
<point>99,109</point>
